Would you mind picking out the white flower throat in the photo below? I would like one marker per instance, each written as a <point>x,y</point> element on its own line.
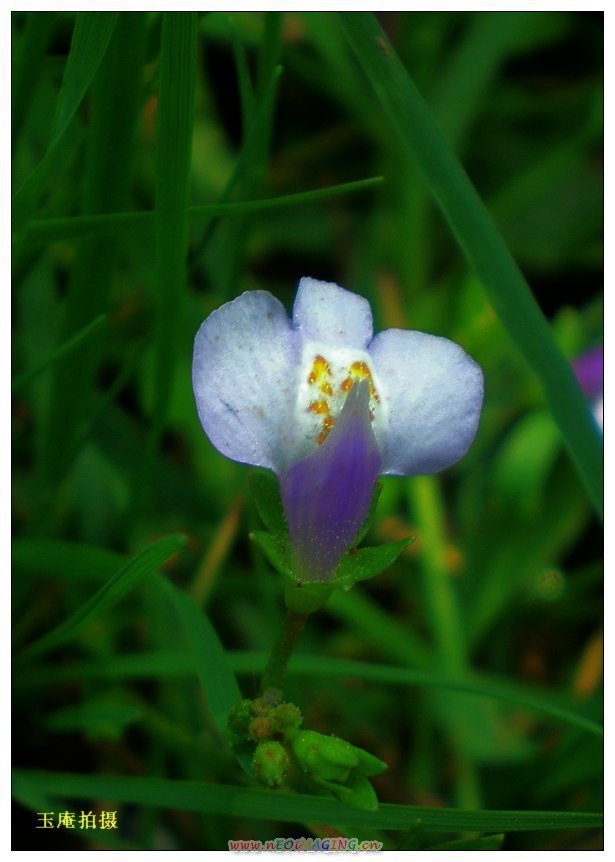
<point>326,377</point>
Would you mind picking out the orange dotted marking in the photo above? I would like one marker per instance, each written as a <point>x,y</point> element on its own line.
<point>359,371</point>
<point>319,407</point>
<point>320,370</point>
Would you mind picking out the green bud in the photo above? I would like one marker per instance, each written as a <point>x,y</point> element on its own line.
<point>238,724</point>
<point>268,701</point>
<point>270,763</point>
<point>260,728</point>
<point>285,719</point>
<point>325,758</point>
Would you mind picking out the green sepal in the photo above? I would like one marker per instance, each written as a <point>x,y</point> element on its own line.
<point>356,791</point>
<point>278,553</point>
<point>360,564</point>
<point>368,764</point>
<point>300,597</point>
<point>266,492</point>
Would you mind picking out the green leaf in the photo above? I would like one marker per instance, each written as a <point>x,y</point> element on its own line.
<point>90,40</point>
<point>266,491</point>
<point>121,583</point>
<point>485,250</point>
<point>210,660</point>
<point>245,802</point>
<point>211,663</point>
<point>363,563</point>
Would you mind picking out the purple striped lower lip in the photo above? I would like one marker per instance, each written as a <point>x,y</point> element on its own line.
<point>326,495</point>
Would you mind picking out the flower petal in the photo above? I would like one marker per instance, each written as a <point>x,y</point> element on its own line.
<point>433,392</point>
<point>326,495</point>
<point>244,378</point>
<point>589,369</point>
<point>327,313</point>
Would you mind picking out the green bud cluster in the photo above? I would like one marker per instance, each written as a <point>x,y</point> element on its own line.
<point>265,725</point>
<point>272,730</point>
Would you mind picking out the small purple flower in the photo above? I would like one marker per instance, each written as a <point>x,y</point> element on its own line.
<point>329,408</point>
<point>589,369</point>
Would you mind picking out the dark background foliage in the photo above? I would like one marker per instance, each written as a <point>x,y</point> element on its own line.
<point>504,578</point>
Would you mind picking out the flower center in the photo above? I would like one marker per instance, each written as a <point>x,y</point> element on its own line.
<point>326,377</point>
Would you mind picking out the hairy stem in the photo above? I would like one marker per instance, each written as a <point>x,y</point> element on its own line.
<point>275,671</point>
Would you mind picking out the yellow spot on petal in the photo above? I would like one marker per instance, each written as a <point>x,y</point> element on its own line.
<point>326,389</point>
<point>360,371</point>
<point>319,407</point>
<point>320,370</point>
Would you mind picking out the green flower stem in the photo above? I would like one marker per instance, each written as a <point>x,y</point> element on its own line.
<point>275,671</point>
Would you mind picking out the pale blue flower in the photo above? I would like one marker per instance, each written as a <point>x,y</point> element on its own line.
<point>328,407</point>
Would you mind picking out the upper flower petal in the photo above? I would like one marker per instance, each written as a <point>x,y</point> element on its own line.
<point>327,313</point>
<point>244,378</point>
<point>433,393</point>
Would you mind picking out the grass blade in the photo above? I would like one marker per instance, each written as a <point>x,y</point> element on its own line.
<point>63,350</point>
<point>90,40</point>
<point>299,808</point>
<point>485,250</point>
<point>45,231</point>
<point>29,57</point>
<point>122,582</point>
<point>173,159</point>
<point>210,659</point>
<point>166,664</point>
<point>114,102</point>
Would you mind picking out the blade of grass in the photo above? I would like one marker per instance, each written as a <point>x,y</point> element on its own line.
<point>214,671</point>
<point>471,224</point>
<point>91,37</point>
<point>175,120</point>
<point>122,582</point>
<point>442,610</point>
<point>255,155</point>
<point>115,103</point>
<point>29,56</point>
<point>63,350</point>
<point>211,662</point>
<point>165,664</point>
<point>45,231</point>
<point>264,805</point>
<point>393,639</point>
